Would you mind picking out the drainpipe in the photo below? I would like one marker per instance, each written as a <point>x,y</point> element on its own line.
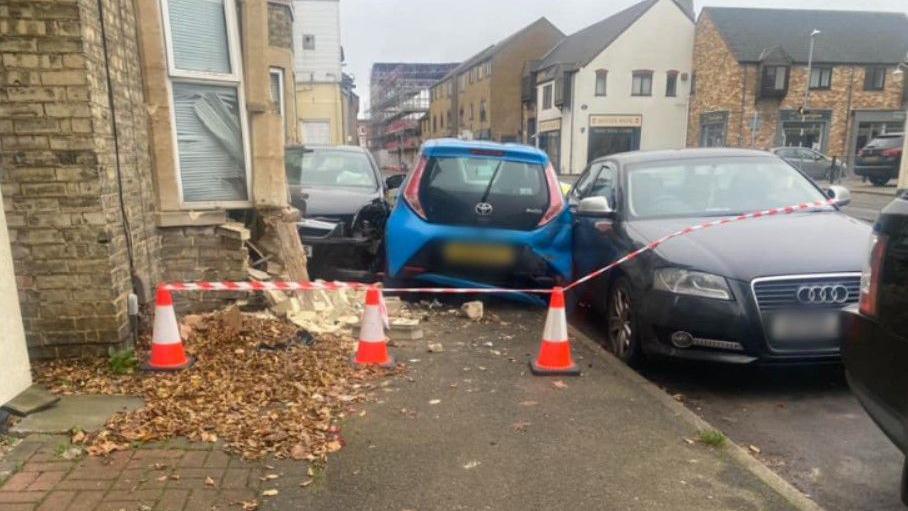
<point>573,115</point>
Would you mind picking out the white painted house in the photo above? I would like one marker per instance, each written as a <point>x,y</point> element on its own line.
<point>318,67</point>
<point>15,373</point>
<point>619,85</point>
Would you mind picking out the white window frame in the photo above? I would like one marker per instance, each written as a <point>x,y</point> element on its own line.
<point>279,72</point>
<point>232,79</point>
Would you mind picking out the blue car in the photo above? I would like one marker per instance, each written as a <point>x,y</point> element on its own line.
<point>480,214</point>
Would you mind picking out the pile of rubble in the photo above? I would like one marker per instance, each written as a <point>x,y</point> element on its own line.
<point>339,311</point>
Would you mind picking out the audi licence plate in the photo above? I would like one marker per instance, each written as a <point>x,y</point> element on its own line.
<point>805,326</point>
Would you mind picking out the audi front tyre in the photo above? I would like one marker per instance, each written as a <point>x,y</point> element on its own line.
<point>621,323</point>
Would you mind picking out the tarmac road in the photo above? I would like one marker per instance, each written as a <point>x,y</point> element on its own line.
<point>808,426</point>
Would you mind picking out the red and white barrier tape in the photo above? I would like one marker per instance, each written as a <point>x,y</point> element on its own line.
<point>706,225</point>
<point>336,285</point>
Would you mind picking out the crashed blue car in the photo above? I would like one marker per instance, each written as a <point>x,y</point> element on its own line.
<point>480,214</point>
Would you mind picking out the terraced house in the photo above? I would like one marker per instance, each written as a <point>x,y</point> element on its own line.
<point>135,138</point>
<point>753,88</point>
<point>620,84</point>
<point>480,98</point>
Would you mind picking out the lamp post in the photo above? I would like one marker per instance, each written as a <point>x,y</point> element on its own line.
<point>813,36</point>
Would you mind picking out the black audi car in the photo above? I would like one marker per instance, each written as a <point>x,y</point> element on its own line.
<point>766,290</point>
<point>876,332</point>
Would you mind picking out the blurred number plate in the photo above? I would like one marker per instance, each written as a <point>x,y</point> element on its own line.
<point>871,159</point>
<point>478,255</point>
<point>805,326</point>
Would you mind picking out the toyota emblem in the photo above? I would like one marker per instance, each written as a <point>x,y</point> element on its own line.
<point>483,209</point>
<point>834,294</point>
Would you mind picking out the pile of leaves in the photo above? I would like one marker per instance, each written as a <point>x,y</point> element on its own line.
<point>259,385</point>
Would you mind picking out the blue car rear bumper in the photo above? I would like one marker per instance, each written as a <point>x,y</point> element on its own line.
<point>408,235</point>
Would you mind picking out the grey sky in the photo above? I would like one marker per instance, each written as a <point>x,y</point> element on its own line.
<point>453,30</point>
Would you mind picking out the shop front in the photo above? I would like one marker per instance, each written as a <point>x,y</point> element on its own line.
<point>868,125</point>
<point>549,140</point>
<point>610,134</point>
<point>804,130</point>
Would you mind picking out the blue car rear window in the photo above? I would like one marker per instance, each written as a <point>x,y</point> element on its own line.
<point>485,192</point>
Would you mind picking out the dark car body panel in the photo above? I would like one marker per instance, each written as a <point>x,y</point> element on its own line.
<point>875,351</point>
<point>342,225</point>
<point>870,162</point>
<point>823,245</point>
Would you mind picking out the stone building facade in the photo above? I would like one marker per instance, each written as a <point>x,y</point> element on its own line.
<point>482,96</point>
<point>846,106</point>
<point>90,173</point>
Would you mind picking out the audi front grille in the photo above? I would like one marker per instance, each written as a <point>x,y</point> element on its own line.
<point>806,291</point>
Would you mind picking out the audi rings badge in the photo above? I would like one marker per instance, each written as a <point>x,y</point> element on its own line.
<point>834,294</point>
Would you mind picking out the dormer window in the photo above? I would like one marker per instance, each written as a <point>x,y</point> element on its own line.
<point>775,81</point>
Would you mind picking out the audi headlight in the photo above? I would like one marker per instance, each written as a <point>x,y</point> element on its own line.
<point>694,283</point>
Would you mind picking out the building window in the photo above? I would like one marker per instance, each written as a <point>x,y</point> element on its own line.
<point>601,82</point>
<point>447,119</point>
<point>547,97</point>
<point>671,84</point>
<point>642,83</point>
<point>308,41</point>
<point>434,124</point>
<point>482,111</point>
<point>277,89</point>
<point>693,83</point>
<point>461,114</point>
<point>471,111</point>
<point>874,78</point>
<point>820,77</point>
<point>774,81</point>
<point>211,136</point>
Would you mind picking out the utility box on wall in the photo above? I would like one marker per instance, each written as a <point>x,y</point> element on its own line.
<point>15,373</point>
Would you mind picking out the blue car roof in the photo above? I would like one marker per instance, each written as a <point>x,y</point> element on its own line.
<point>457,147</point>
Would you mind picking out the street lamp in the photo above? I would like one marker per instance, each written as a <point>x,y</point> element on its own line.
<point>813,36</point>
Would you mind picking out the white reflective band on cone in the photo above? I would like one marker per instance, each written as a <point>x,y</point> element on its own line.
<point>371,325</point>
<point>166,330</point>
<point>555,326</point>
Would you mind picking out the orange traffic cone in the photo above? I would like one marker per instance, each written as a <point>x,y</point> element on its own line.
<point>373,345</point>
<point>166,346</point>
<point>555,352</point>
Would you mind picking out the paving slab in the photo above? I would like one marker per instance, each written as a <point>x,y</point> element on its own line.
<point>31,400</point>
<point>88,413</point>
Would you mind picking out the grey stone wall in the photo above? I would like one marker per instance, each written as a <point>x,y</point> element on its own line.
<point>59,170</point>
<point>280,26</point>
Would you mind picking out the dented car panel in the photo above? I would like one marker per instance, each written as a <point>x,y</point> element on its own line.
<point>341,195</point>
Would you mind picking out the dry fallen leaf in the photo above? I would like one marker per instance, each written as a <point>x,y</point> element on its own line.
<point>306,483</point>
<point>298,452</point>
<point>471,464</point>
<point>209,481</point>
<point>754,449</point>
<point>266,402</point>
<point>270,477</point>
<point>250,505</point>
<point>434,401</point>
<point>520,427</point>
<point>559,384</point>
<point>528,403</point>
<point>270,493</point>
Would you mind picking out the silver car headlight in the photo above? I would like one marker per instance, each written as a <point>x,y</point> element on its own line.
<point>693,283</point>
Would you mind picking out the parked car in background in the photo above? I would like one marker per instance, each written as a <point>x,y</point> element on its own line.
<point>813,163</point>
<point>879,161</point>
<point>763,290</point>
<point>479,214</point>
<point>876,332</point>
<point>341,193</point>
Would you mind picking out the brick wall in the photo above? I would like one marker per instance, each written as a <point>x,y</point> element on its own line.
<point>280,25</point>
<point>725,85</point>
<point>59,177</point>
<point>204,253</point>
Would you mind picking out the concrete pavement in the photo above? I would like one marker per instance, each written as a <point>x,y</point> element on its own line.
<point>471,429</point>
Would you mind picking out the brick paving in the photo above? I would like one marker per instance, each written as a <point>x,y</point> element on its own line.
<point>171,477</point>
